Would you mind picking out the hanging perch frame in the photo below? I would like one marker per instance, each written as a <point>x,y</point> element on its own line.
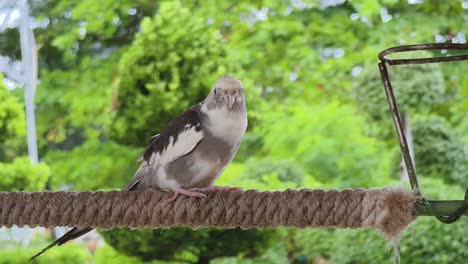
<point>444,211</point>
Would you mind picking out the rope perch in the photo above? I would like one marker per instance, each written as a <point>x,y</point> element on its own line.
<point>388,209</point>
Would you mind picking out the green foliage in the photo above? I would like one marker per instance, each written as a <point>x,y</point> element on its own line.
<point>21,175</point>
<point>12,120</point>
<point>286,170</point>
<point>435,242</point>
<point>264,179</point>
<point>141,243</point>
<point>328,141</point>
<point>462,128</point>
<point>170,66</point>
<point>438,7</point>
<point>360,246</point>
<point>439,152</point>
<point>79,28</point>
<point>73,254</point>
<point>293,61</point>
<point>232,242</point>
<point>418,88</point>
<point>12,124</point>
<point>274,255</point>
<point>184,243</point>
<point>309,245</point>
<point>427,241</point>
<point>64,121</point>
<point>106,253</point>
<point>107,164</point>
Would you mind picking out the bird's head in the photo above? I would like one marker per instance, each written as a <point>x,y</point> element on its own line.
<point>227,92</point>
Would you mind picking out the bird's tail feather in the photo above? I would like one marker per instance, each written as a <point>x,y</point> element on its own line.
<point>72,234</point>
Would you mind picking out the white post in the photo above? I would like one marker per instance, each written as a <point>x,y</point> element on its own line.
<point>29,60</point>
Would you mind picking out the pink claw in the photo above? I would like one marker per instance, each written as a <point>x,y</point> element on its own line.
<point>190,193</point>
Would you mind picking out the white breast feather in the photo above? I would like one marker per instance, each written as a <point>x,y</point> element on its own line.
<point>201,167</point>
<point>186,142</point>
<point>230,126</point>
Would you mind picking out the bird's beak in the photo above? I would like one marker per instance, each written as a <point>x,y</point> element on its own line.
<point>231,100</point>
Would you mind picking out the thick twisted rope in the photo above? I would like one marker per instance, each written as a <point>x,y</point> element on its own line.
<point>389,209</point>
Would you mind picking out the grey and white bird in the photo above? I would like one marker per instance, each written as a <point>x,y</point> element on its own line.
<point>192,151</point>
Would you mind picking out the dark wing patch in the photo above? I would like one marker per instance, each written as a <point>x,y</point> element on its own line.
<point>188,119</point>
<point>149,149</point>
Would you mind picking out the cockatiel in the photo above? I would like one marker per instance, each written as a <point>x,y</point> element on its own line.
<point>192,151</point>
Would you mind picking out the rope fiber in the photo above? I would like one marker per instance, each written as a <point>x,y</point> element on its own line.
<point>388,209</point>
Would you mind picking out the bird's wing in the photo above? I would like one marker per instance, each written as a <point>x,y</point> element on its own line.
<point>179,138</point>
<point>148,148</point>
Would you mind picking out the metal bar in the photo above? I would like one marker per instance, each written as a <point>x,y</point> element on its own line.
<point>28,57</point>
<point>383,55</point>
<point>426,60</point>
<point>399,127</point>
<point>439,46</point>
<point>439,208</point>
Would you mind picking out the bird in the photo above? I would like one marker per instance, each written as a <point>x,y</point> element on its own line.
<point>189,155</point>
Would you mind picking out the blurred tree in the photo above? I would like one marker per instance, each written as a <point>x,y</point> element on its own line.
<point>12,122</point>
<point>439,151</point>
<point>18,174</point>
<point>286,171</point>
<point>68,31</point>
<point>73,254</point>
<point>304,49</point>
<point>21,175</point>
<point>328,141</point>
<point>73,131</point>
<point>418,88</point>
<point>203,245</point>
<point>65,122</point>
<point>11,115</point>
<point>107,165</point>
<point>170,66</point>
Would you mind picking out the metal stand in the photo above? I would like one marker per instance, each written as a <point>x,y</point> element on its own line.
<point>444,211</point>
<point>28,73</point>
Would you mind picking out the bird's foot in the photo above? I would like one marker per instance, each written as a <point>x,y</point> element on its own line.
<point>194,192</point>
<point>222,188</point>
